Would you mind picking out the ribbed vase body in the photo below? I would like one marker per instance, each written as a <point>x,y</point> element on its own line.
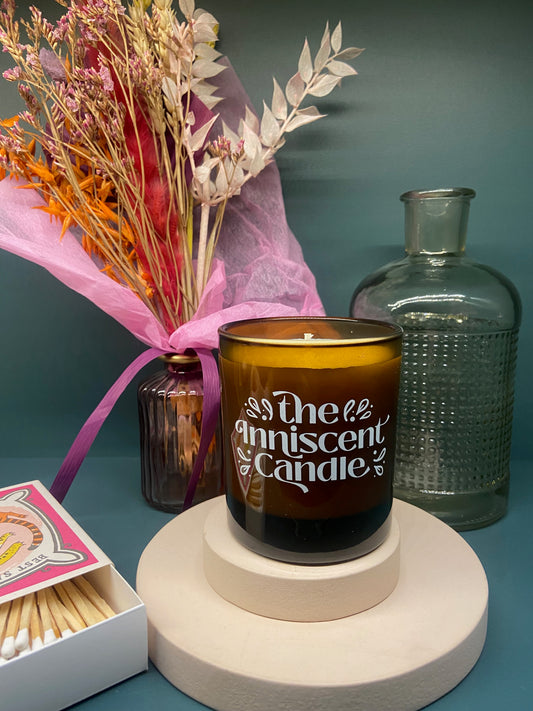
<point>170,418</point>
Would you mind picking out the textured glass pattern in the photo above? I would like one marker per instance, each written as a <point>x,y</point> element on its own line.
<point>455,419</point>
<point>170,419</point>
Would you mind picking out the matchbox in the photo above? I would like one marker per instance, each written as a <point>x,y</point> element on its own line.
<point>70,625</point>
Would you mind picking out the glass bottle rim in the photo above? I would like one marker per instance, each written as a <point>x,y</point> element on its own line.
<point>439,193</point>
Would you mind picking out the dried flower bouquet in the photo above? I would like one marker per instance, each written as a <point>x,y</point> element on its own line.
<point>159,197</point>
<point>116,136</point>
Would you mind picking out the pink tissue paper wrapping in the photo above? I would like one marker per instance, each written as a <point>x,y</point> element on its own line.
<point>258,271</point>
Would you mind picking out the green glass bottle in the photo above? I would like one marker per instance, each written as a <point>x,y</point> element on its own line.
<point>461,322</point>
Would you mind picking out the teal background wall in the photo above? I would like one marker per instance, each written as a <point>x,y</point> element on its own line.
<point>443,98</point>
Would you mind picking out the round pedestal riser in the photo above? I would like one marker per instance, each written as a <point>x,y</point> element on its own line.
<point>400,654</point>
<point>299,593</point>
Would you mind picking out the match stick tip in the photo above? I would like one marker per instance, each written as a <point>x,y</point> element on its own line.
<point>36,643</point>
<point>8,648</point>
<point>22,640</point>
<point>49,637</point>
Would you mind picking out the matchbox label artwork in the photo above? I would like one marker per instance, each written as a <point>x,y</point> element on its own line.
<point>300,443</point>
<point>36,544</point>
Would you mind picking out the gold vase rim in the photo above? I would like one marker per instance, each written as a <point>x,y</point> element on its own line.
<point>179,358</point>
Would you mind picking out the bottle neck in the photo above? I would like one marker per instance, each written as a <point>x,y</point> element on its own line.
<point>436,220</point>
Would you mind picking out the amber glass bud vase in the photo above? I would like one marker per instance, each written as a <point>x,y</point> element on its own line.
<point>170,419</point>
<point>460,321</point>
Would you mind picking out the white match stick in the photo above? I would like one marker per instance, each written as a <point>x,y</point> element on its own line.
<point>4,613</point>
<point>46,618</point>
<point>29,622</point>
<point>57,613</point>
<point>75,623</point>
<point>22,639</point>
<point>63,596</point>
<point>85,586</point>
<point>8,645</point>
<point>35,629</point>
<point>91,615</point>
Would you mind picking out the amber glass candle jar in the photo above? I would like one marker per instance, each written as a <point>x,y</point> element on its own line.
<point>309,416</point>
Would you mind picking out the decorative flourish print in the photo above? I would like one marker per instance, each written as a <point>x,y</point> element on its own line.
<point>378,468</point>
<point>244,452</point>
<point>263,411</point>
<point>244,469</point>
<point>357,410</point>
